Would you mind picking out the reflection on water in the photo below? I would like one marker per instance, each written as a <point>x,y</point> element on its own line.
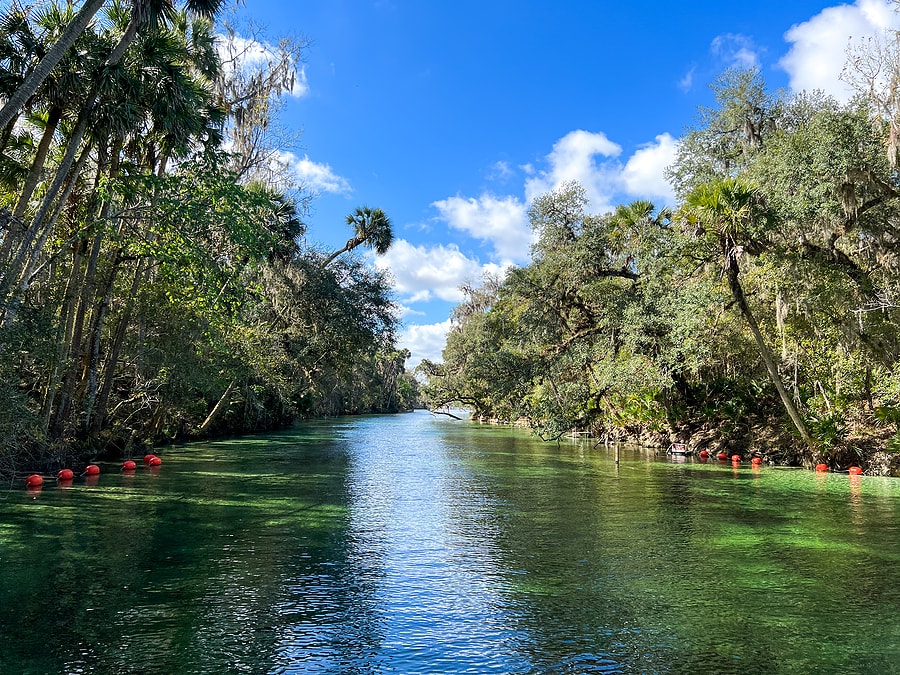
<point>420,544</point>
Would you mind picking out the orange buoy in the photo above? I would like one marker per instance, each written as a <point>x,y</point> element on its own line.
<point>704,454</point>
<point>756,460</point>
<point>855,471</point>
<point>34,480</point>
<point>128,465</point>
<point>147,458</point>
<point>65,474</point>
<point>155,461</point>
<point>735,458</point>
<point>821,467</point>
<point>92,470</point>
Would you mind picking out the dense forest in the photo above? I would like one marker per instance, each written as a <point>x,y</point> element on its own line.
<point>759,314</point>
<point>155,281</point>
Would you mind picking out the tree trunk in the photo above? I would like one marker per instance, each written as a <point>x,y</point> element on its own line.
<point>95,415</point>
<point>20,272</point>
<point>737,291</point>
<point>46,65</point>
<point>349,246</point>
<point>54,115</point>
<point>219,407</point>
<point>66,325</point>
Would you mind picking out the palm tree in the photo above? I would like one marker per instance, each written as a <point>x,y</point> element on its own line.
<point>733,214</point>
<point>42,70</point>
<point>143,12</point>
<point>371,227</point>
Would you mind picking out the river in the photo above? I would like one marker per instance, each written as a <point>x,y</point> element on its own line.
<point>420,544</point>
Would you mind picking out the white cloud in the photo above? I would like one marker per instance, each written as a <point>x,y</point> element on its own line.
<point>819,46</point>
<point>500,172</point>
<point>423,273</point>
<point>686,82</point>
<point>301,84</point>
<point>424,341</point>
<point>574,157</point>
<point>317,177</point>
<point>502,221</point>
<point>736,50</point>
<point>606,181</point>
<point>643,175</point>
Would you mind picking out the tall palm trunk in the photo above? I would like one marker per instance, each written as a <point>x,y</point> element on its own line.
<point>12,237</point>
<point>39,226</point>
<point>54,115</point>
<point>737,291</point>
<point>64,334</point>
<point>19,273</point>
<point>46,65</point>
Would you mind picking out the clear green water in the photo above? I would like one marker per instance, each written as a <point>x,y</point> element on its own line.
<point>417,544</point>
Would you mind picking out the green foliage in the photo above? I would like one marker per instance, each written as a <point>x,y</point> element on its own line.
<point>153,286</point>
<point>769,295</point>
<point>828,429</point>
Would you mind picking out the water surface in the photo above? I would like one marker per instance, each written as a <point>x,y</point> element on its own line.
<point>419,544</point>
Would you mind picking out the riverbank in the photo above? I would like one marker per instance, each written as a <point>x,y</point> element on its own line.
<point>865,446</point>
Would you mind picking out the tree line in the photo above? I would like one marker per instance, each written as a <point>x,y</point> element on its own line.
<point>759,313</point>
<point>155,279</point>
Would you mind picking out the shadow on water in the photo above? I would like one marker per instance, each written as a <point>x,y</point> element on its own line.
<point>416,543</point>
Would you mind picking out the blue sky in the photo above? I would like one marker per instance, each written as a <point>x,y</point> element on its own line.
<point>452,116</point>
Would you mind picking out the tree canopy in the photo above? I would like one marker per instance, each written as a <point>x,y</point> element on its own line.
<point>154,278</point>
<point>760,313</point>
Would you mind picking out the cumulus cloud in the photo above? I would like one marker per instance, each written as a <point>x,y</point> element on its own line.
<point>575,157</point>
<point>423,273</point>
<point>424,341</point>
<point>502,221</point>
<point>819,46</point>
<point>593,160</point>
<point>315,176</point>
<point>643,175</point>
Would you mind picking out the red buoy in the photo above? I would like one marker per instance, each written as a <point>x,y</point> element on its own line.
<point>128,465</point>
<point>34,480</point>
<point>147,458</point>
<point>92,470</point>
<point>65,474</point>
<point>722,455</point>
<point>735,458</point>
<point>756,460</point>
<point>821,467</point>
<point>155,461</point>
<point>704,454</point>
<point>855,471</point>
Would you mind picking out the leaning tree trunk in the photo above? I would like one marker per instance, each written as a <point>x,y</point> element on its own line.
<point>46,65</point>
<point>737,291</point>
<point>37,165</point>
<point>15,279</point>
<point>219,407</point>
<point>12,237</point>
